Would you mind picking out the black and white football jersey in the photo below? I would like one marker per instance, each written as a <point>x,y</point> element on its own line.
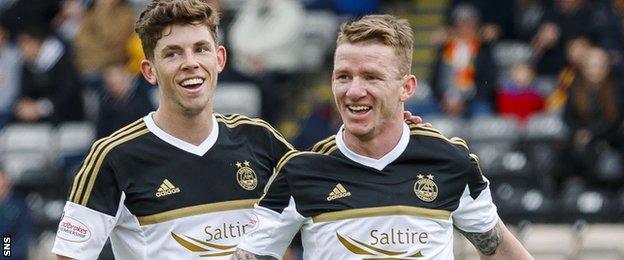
<point>158,197</point>
<point>401,206</point>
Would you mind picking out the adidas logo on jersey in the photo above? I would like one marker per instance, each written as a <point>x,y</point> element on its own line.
<point>166,188</point>
<point>338,192</point>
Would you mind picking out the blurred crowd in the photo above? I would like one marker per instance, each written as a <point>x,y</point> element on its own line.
<point>65,61</point>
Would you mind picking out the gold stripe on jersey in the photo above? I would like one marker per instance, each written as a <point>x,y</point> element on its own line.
<point>475,159</point>
<point>87,169</point>
<point>328,148</point>
<point>278,169</point>
<point>98,164</point>
<point>454,140</point>
<point>236,120</point>
<point>79,179</point>
<point>283,160</point>
<point>196,210</point>
<point>382,211</point>
<point>321,143</point>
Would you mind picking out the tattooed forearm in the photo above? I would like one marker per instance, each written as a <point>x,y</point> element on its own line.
<point>244,255</point>
<point>486,242</point>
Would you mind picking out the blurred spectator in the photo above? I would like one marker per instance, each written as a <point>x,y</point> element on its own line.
<point>518,96</point>
<point>593,113</point>
<point>464,76</point>
<point>497,17</point>
<point>266,39</point>
<point>575,52</point>
<point>126,98</point>
<point>68,20</point>
<point>50,88</point>
<point>10,67</point>
<point>101,40</point>
<point>15,220</point>
<point>15,13</point>
<point>569,19</point>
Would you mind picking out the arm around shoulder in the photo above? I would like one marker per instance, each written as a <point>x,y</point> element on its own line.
<point>498,243</point>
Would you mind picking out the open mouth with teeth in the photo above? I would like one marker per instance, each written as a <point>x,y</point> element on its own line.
<point>359,109</point>
<point>192,83</point>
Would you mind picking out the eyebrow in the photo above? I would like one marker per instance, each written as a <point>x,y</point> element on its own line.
<point>178,47</point>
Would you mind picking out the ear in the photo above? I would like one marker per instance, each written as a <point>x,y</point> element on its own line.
<point>409,87</point>
<point>147,69</point>
<point>221,58</point>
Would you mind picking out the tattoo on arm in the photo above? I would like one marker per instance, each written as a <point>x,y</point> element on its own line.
<point>244,255</point>
<point>486,242</point>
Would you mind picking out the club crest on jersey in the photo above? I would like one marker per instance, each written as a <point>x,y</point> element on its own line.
<point>425,188</point>
<point>246,176</point>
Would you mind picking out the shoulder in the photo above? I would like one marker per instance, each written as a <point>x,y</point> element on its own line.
<point>251,127</point>
<point>325,146</point>
<point>117,140</point>
<point>433,143</point>
<point>437,137</point>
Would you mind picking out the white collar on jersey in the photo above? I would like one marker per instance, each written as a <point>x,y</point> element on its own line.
<point>199,150</point>
<point>380,163</point>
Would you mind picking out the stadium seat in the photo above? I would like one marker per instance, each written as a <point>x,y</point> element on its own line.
<point>545,127</point>
<point>27,137</point>
<point>506,53</point>
<point>319,36</point>
<point>74,140</point>
<point>28,152</point>
<point>602,241</point>
<point>609,166</point>
<point>581,203</point>
<point>551,242</point>
<point>75,137</point>
<point>448,126</point>
<point>493,129</point>
<point>240,98</point>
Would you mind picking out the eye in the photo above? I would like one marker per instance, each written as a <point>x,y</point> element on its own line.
<point>342,77</point>
<point>372,77</point>
<point>201,49</point>
<point>171,54</point>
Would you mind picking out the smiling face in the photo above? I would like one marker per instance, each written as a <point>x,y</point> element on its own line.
<point>185,67</point>
<point>369,89</point>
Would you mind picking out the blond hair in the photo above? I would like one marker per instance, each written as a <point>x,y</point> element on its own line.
<point>385,29</point>
<point>160,14</point>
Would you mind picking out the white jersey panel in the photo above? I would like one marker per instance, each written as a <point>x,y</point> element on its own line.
<point>475,215</point>
<point>274,232</point>
<point>380,237</point>
<point>207,236</point>
<point>82,232</point>
<point>125,239</point>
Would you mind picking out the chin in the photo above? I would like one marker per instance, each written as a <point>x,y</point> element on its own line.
<point>357,130</point>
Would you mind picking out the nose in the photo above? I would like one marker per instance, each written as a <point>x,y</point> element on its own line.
<point>356,89</point>
<point>190,62</point>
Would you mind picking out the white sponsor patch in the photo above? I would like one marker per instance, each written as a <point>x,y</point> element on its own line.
<point>73,230</point>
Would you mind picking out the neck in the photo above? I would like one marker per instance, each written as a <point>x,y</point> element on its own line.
<point>192,129</point>
<point>377,146</point>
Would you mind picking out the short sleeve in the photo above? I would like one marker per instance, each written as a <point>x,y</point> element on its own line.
<point>278,221</point>
<point>476,211</point>
<point>91,211</point>
<point>280,146</point>
<point>82,232</point>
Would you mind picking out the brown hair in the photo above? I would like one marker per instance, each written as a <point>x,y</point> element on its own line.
<point>385,29</point>
<point>606,95</point>
<point>162,13</point>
